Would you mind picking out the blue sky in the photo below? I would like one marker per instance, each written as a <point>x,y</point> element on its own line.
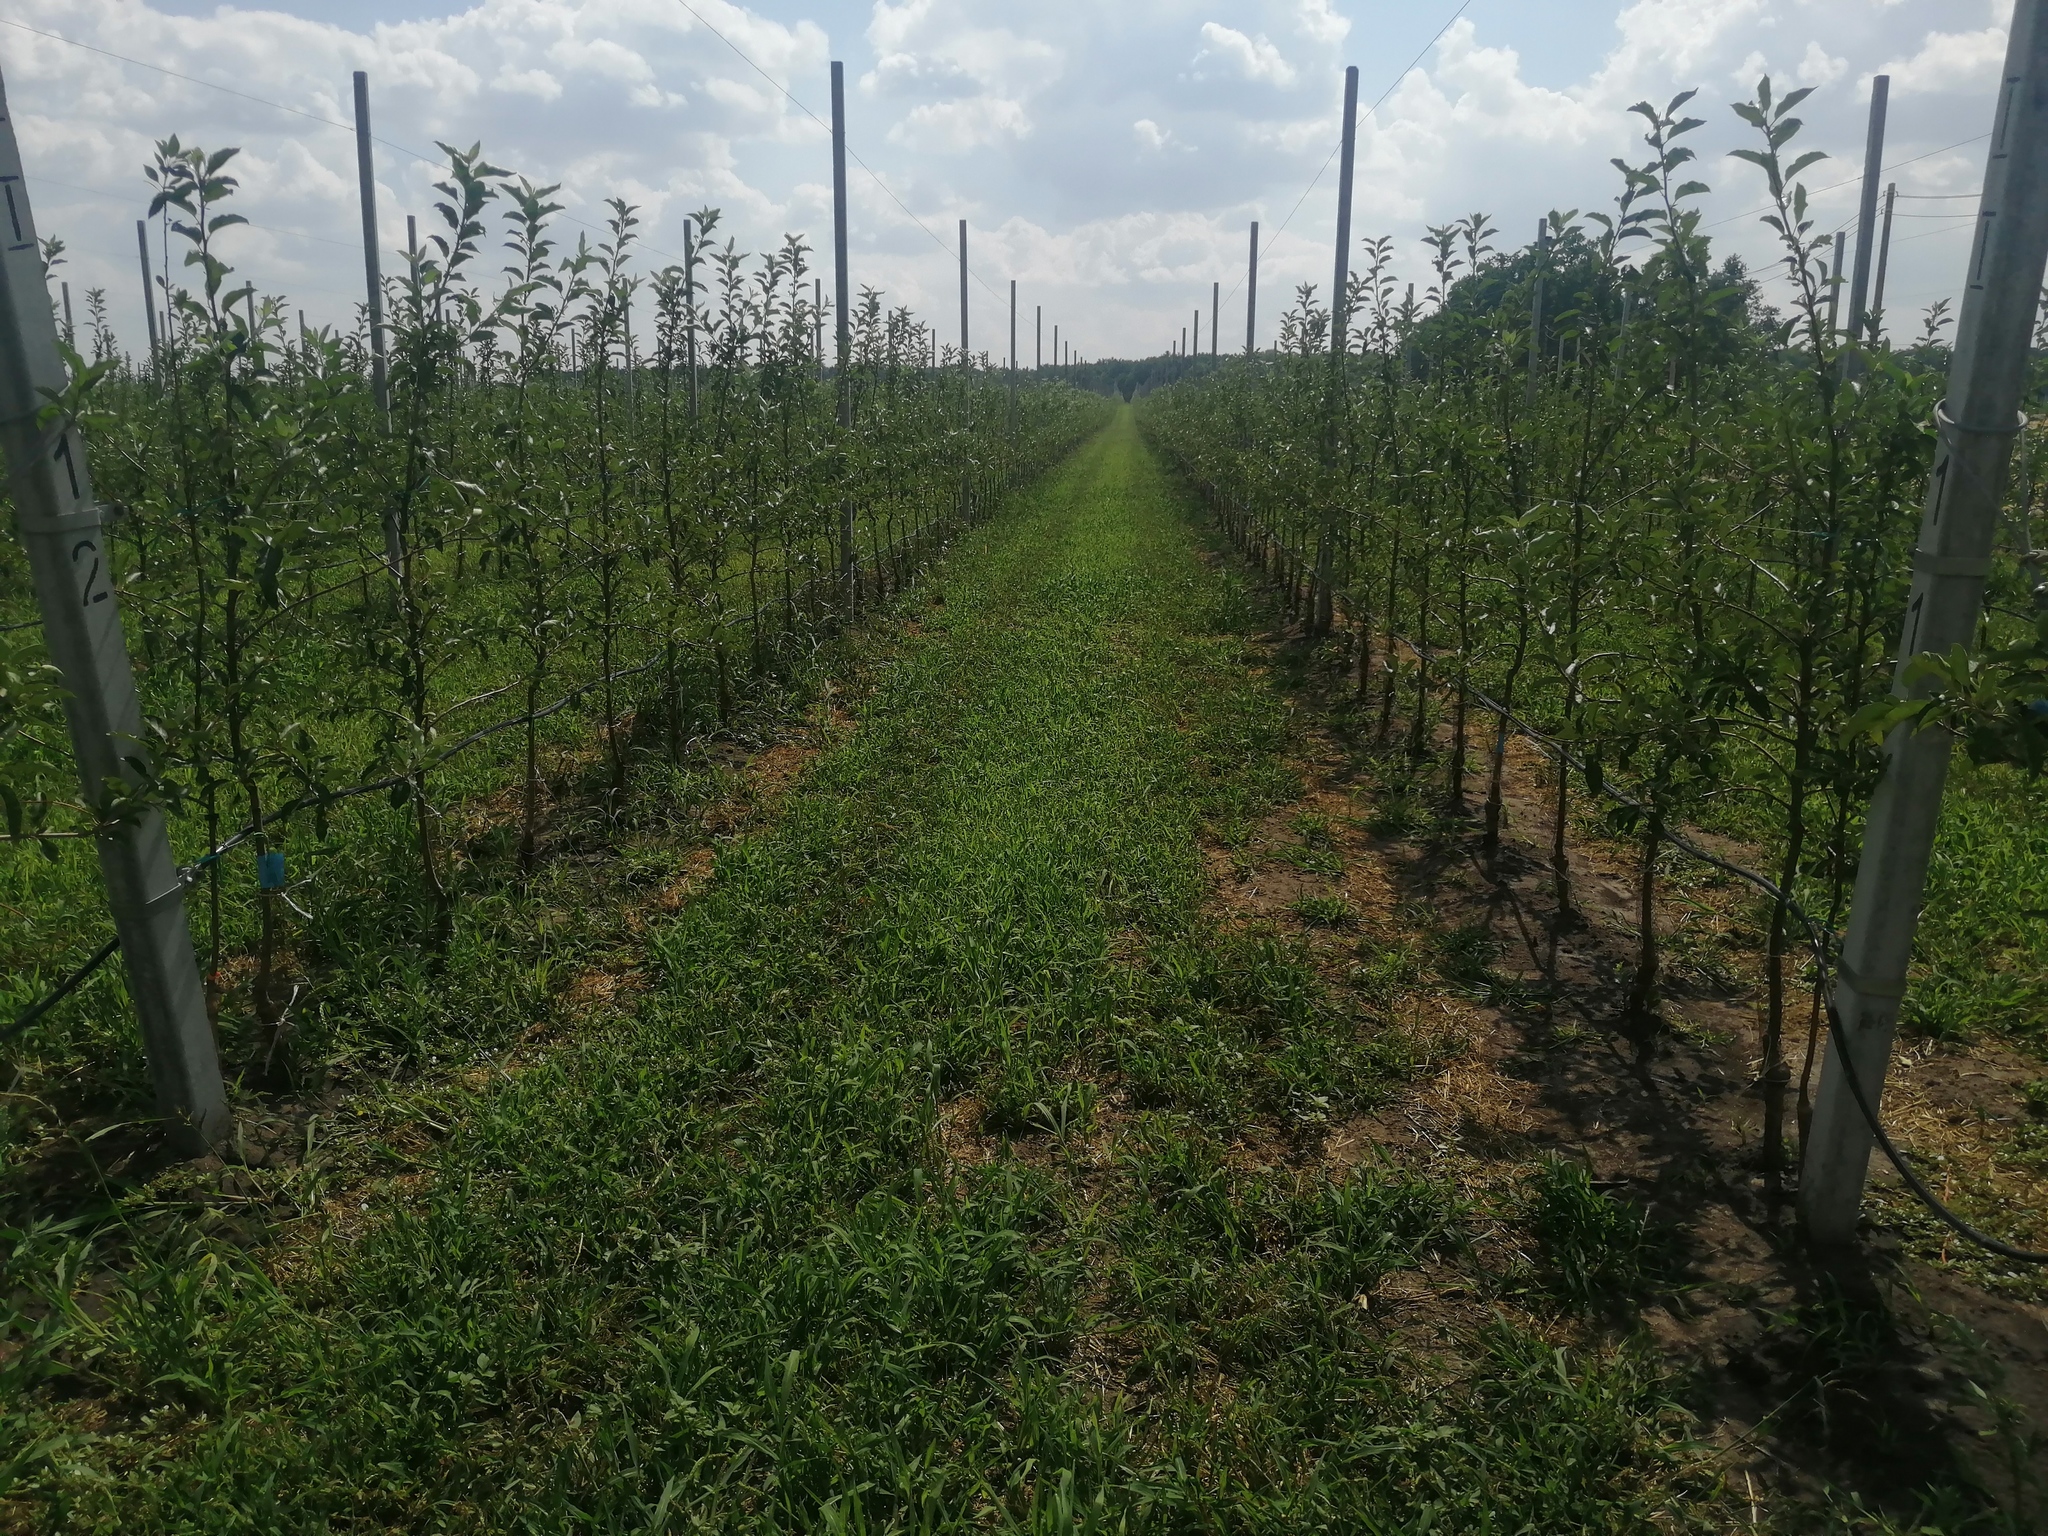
<point>1107,156</point>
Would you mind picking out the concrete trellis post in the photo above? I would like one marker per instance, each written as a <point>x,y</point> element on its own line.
<point>963,293</point>
<point>148,288</point>
<point>842,331</point>
<point>1866,208</point>
<point>373,282</point>
<point>1013,356</point>
<point>1323,610</point>
<point>1835,284</point>
<point>1198,334</point>
<point>1884,251</point>
<point>1215,318</point>
<point>690,308</point>
<point>1976,425</point>
<point>1038,338</point>
<point>1536,308</point>
<point>373,278</point>
<point>1251,295</point>
<point>60,524</point>
<point>1340,285</point>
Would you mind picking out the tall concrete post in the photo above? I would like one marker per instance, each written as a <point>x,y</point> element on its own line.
<point>1340,288</point>
<point>1251,295</point>
<point>1976,424</point>
<point>1884,252</point>
<point>373,283</point>
<point>61,525</point>
<point>148,288</point>
<point>1866,209</point>
<point>842,350</point>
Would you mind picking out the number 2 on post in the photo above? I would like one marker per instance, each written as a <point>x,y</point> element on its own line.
<point>94,590</point>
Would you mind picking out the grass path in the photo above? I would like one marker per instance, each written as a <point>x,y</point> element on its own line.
<point>958,1171</point>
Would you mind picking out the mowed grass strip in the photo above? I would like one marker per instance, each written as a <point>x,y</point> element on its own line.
<point>955,1173</point>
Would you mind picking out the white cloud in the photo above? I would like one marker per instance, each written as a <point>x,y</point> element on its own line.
<point>1948,61</point>
<point>1481,89</point>
<point>1152,137</point>
<point>1074,112</point>
<point>1817,68</point>
<point>1316,20</point>
<point>1255,57</point>
<point>950,127</point>
<point>528,82</point>
<point>1669,41</point>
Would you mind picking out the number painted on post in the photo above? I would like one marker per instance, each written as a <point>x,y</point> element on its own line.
<point>63,451</point>
<point>94,590</point>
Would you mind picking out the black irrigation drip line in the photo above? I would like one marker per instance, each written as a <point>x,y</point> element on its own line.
<point>189,873</point>
<point>1818,939</point>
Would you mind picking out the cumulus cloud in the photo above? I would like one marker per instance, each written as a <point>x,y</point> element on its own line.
<point>1950,61</point>
<point>1062,131</point>
<point>1817,68</point>
<point>1316,20</point>
<point>1255,57</point>
<point>950,127</point>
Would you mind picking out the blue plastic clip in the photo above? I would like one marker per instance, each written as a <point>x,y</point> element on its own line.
<point>270,871</point>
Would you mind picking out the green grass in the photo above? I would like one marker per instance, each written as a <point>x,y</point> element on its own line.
<point>914,1194</point>
<point>1981,958</point>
